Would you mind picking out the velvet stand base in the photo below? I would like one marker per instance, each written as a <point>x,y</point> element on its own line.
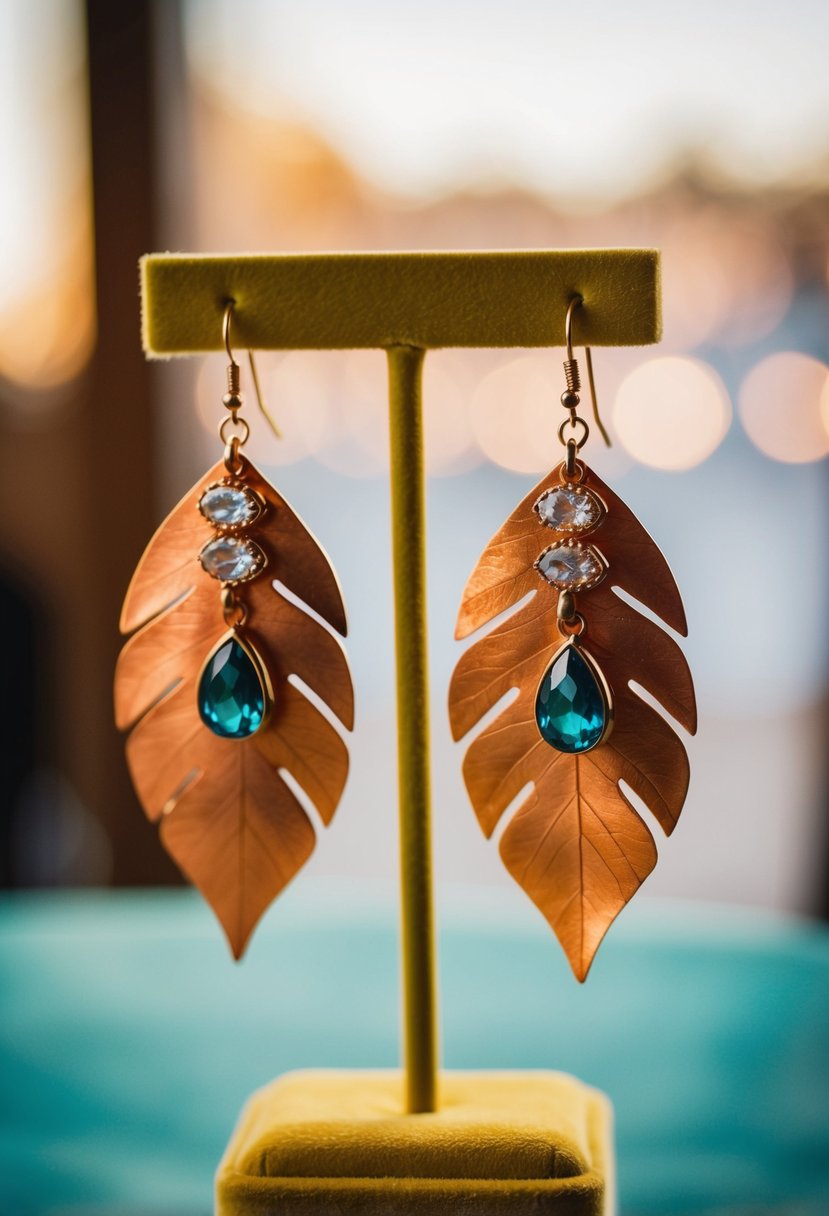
<point>335,1143</point>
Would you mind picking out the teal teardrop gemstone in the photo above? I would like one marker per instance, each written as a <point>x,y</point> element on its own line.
<point>231,697</point>
<point>570,708</point>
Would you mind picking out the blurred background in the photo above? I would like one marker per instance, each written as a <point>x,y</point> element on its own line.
<point>266,125</point>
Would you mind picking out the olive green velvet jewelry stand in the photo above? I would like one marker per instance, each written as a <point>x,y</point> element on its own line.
<point>416,1141</point>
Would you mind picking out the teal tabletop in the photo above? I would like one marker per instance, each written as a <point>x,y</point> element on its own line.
<point>129,1040</point>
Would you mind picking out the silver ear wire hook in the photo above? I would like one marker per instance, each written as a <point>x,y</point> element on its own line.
<point>571,370</point>
<point>233,370</point>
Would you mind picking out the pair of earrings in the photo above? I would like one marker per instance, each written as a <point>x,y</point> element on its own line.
<point>212,685</point>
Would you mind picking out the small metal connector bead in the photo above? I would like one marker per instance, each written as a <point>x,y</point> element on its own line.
<point>232,401</point>
<point>566,608</point>
<point>569,399</point>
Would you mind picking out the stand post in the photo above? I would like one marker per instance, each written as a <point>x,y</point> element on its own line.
<point>408,511</point>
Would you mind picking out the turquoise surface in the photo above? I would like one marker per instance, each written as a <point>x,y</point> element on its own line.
<point>129,1040</point>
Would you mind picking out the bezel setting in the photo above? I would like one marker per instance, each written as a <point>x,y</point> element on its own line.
<point>231,483</point>
<point>260,561</point>
<point>601,684</point>
<point>262,673</point>
<point>580,583</point>
<point>574,487</point>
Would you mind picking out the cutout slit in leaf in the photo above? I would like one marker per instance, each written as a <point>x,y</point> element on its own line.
<point>291,596</point>
<point>320,704</point>
<point>179,791</point>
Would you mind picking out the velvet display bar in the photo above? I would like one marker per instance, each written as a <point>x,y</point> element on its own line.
<point>328,301</point>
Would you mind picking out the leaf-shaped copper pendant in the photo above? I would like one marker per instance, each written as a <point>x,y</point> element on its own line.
<point>214,717</point>
<point>575,844</point>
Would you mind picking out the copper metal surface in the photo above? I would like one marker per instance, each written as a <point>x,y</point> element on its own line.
<point>575,844</point>
<point>227,816</point>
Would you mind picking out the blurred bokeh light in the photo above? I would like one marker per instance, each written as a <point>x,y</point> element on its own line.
<point>726,282</point>
<point>47,311</point>
<point>780,407</point>
<point>515,414</point>
<point>332,405</point>
<point>671,413</point>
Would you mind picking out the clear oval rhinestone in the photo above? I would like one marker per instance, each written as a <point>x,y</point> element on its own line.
<point>571,566</point>
<point>229,506</point>
<point>570,508</point>
<point>231,559</point>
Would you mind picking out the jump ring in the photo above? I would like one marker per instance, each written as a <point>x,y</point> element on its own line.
<point>572,628</point>
<point>242,432</point>
<point>574,422</point>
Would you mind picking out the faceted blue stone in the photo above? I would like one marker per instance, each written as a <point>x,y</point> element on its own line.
<point>231,698</point>
<point>569,708</point>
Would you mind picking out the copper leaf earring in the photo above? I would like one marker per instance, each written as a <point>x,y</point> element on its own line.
<point>576,652</point>
<point>212,683</point>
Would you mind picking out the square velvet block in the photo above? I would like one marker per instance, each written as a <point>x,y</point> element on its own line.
<point>501,1142</point>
